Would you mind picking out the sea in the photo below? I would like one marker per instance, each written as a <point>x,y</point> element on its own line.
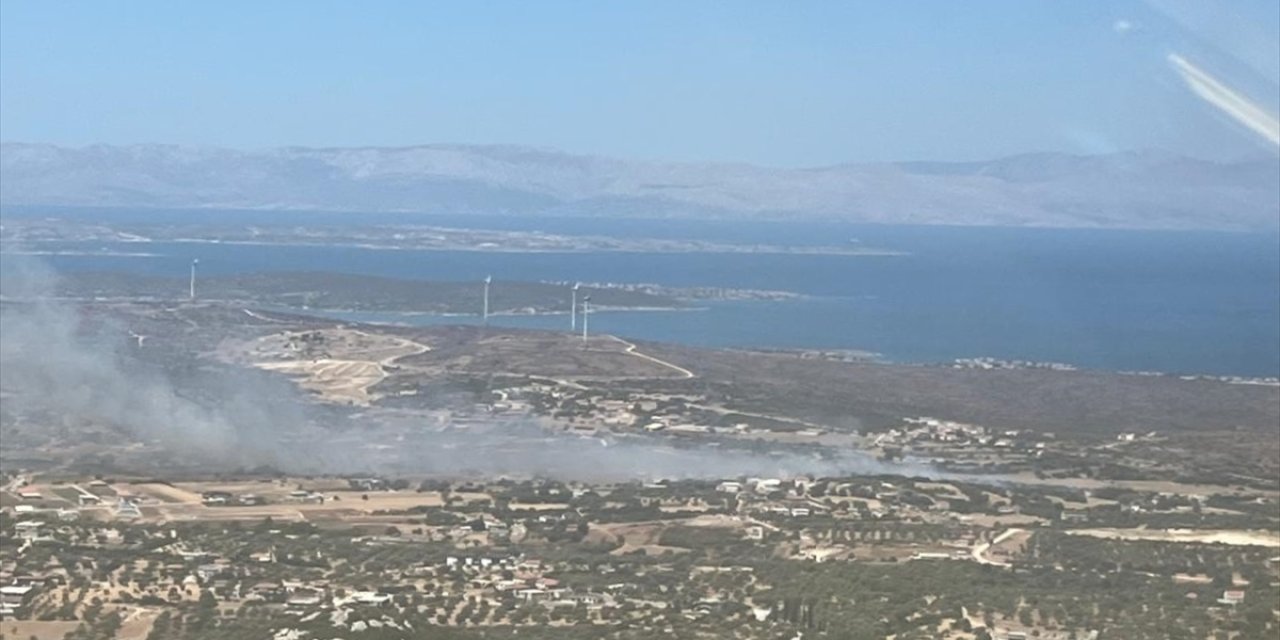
<point>1185,302</point>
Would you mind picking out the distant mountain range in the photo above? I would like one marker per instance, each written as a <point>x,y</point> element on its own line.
<point>1133,189</point>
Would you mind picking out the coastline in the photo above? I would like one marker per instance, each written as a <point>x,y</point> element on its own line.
<point>509,313</point>
<point>941,304</point>
<point>713,249</point>
<point>659,249</point>
<point>82,254</point>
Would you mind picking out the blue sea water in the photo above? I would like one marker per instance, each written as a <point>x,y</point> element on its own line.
<point>1185,302</point>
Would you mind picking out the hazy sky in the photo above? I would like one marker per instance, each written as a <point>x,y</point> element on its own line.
<point>781,83</point>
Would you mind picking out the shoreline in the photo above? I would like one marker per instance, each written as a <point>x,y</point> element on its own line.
<point>84,254</point>
<point>494,314</point>
<point>712,249</point>
<point>850,355</point>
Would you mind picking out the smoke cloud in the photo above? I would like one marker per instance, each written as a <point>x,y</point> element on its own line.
<point>54,361</point>
<point>227,419</point>
<point>523,449</point>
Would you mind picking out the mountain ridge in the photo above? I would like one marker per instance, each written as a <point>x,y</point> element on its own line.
<point>1138,189</point>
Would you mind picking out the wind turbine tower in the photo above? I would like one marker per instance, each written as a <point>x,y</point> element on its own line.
<point>191,292</point>
<point>487,280</point>
<point>573,308</point>
<point>586,312</point>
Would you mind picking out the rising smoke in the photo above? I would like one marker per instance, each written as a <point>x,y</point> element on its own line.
<point>227,419</point>
<point>53,360</point>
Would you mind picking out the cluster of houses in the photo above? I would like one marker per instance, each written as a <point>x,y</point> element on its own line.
<point>650,412</point>
<point>949,433</point>
<point>227,498</point>
<point>19,589</point>
<point>587,413</point>
<point>997,363</point>
<point>123,506</point>
<point>527,581</point>
<point>14,595</point>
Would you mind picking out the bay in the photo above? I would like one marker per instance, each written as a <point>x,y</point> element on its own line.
<point>1179,302</point>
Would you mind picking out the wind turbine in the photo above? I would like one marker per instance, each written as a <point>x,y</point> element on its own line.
<point>573,308</point>
<point>192,289</point>
<point>487,280</point>
<point>586,311</point>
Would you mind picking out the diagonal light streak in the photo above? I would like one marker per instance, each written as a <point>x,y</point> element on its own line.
<point>1227,100</point>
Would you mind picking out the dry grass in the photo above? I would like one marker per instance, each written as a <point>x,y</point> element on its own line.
<point>1066,402</point>
<point>1228,537</point>
<point>473,350</point>
<point>39,629</point>
<point>181,501</point>
<point>1156,486</point>
<point>168,494</point>
<point>340,381</point>
<point>137,624</point>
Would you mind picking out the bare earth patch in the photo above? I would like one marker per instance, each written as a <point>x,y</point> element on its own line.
<point>339,365</point>
<point>1204,536</point>
<point>39,629</point>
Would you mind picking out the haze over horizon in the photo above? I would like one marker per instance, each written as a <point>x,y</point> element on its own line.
<point>1245,157</point>
<point>1121,190</point>
<point>813,85</point>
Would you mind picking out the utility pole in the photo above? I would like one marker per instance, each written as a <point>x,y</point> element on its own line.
<point>487,280</point>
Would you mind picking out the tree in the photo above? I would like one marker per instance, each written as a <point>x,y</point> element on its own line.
<point>207,601</point>
<point>110,624</point>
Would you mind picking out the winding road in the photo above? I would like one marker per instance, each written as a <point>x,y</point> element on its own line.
<point>979,552</point>
<point>631,349</point>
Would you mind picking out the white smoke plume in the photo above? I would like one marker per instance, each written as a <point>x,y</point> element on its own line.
<point>246,419</point>
<point>49,364</point>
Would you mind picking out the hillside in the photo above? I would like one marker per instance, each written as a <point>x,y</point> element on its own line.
<point>1133,189</point>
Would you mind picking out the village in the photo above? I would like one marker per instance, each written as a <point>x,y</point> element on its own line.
<point>483,483</point>
<point>147,558</point>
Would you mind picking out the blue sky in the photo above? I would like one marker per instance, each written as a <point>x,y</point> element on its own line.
<point>777,83</point>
